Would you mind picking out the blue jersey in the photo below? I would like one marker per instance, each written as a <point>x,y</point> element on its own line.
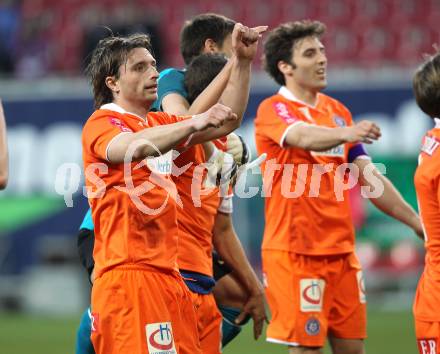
<point>170,81</point>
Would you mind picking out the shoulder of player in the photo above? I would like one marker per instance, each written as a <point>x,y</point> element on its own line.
<point>171,73</point>
<point>270,104</point>
<point>334,103</point>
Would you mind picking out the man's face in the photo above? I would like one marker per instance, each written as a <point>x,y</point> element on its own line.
<point>311,64</point>
<point>138,76</point>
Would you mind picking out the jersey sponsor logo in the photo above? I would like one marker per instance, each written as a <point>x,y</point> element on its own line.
<point>283,112</point>
<point>94,322</point>
<point>118,123</point>
<point>339,121</point>
<point>312,326</point>
<point>361,287</point>
<point>311,294</point>
<point>160,338</point>
<point>162,164</point>
<point>337,151</point>
<point>429,145</point>
<point>427,345</point>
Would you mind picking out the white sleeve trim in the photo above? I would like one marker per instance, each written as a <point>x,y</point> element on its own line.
<point>363,157</point>
<point>111,141</point>
<point>283,137</point>
<point>226,205</point>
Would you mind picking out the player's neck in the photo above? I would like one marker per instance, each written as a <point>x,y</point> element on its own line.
<point>305,95</point>
<point>140,110</point>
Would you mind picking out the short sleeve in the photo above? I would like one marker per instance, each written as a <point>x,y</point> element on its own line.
<point>98,133</point>
<point>357,151</point>
<point>170,81</point>
<point>274,119</point>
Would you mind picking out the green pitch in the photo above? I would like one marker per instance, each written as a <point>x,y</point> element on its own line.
<point>388,333</point>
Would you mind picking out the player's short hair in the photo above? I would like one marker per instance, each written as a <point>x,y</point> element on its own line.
<point>201,71</point>
<point>107,57</point>
<point>281,41</point>
<point>426,86</point>
<point>196,31</point>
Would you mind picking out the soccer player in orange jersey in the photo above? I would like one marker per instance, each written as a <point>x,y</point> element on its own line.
<point>140,303</point>
<point>426,86</point>
<point>4,169</point>
<point>313,279</point>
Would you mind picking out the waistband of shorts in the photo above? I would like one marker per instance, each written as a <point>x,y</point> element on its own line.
<point>143,268</point>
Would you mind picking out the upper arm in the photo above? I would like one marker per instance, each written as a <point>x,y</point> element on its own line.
<point>100,136</point>
<point>174,103</point>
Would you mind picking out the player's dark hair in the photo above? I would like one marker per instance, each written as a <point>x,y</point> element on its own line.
<point>107,57</point>
<point>201,71</point>
<point>281,41</point>
<point>426,86</point>
<point>200,28</point>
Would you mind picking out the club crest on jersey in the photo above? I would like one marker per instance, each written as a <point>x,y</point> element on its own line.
<point>361,287</point>
<point>160,338</point>
<point>339,121</point>
<point>312,326</point>
<point>429,145</point>
<point>311,294</point>
<point>283,112</point>
<point>427,345</point>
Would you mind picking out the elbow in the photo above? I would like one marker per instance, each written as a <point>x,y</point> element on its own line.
<point>3,181</point>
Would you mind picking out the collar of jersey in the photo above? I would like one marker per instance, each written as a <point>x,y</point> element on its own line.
<point>286,93</point>
<point>116,108</point>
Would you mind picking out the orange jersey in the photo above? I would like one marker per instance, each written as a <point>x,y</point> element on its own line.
<point>304,213</point>
<point>196,218</point>
<point>128,229</point>
<point>427,183</point>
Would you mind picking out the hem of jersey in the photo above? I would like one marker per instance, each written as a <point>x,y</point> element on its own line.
<point>278,341</point>
<point>326,253</point>
<point>111,141</point>
<point>425,319</point>
<point>283,137</point>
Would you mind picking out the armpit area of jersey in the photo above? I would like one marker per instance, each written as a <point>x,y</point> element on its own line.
<point>85,243</point>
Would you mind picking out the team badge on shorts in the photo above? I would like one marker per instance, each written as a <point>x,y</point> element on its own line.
<point>427,345</point>
<point>361,287</point>
<point>311,294</point>
<point>160,338</point>
<point>312,326</point>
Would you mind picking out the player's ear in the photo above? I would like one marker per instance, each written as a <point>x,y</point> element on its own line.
<point>112,83</point>
<point>284,67</point>
<point>210,46</point>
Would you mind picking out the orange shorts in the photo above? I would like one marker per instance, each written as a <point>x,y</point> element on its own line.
<point>428,337</point>
<point>312,296</point>
<point>209,323</point>
<point>142,311</point>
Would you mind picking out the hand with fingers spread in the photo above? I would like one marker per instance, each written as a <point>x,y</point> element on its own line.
<point>365,132</point>
<point>214,117</point>
<point>255,308</point>
<point>245,40</point>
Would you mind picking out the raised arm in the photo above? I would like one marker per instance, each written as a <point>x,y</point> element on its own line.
<point>4,165</point>
<point>161,139</point>
<point>317,138</point>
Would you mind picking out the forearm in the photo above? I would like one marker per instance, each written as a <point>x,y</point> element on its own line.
<point>315,138</point>
<point>4,168</point>
<point>212,93</point>
<point>150,142</point>
<point>229,248</point>
<point>391,203</point>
